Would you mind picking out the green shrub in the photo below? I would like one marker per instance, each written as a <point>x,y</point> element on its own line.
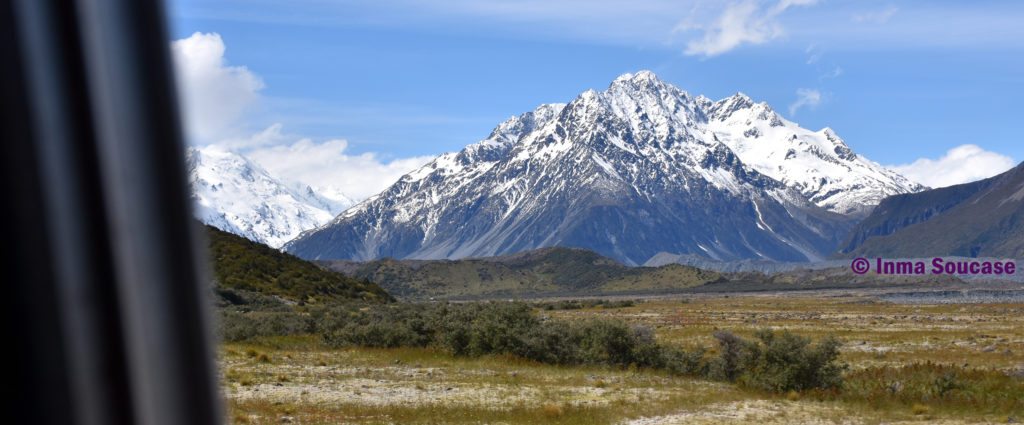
<point>784,362</point>
<point>580,304</point>
<point>681,362</point>
<point>453,328</point>
<point>386,326</point>
<point>778,362</point>
<point>241,326</point>
<point>377,335</point>
<point>554,342</point>
<point>605,342</point>
<point>729,363</point>
<point>512,328</point>
<point>501,328</point>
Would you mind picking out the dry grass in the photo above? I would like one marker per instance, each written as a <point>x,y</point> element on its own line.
<point>296,379</point>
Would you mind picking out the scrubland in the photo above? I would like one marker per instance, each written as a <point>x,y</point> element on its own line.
<point>898,363</point>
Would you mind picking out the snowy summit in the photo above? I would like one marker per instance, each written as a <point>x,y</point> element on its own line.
<point>637,169</point>
<point>236,195</point>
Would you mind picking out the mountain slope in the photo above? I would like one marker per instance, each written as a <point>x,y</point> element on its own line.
<point>236,195</point>
<point>547,271</point>
<point>818,164</point>
<point>241,264</point>
<point>628,172</point>
<point>979,219</point>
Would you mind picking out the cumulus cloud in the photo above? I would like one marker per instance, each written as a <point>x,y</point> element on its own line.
<point>271,135</point>
<point>746,22</point>
<point>808,98</point>
<point>327,167</point>
<point>218,100</point>
<point>215,96</point>
<point>875,17</point>
<point>962,164</point>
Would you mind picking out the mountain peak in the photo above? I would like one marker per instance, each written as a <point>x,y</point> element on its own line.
<point>515,127</point>
<point>725,108</point>
<point>627,172</point>
<point>637,169</point>
<point>741,97</point>
<point>642,82</point>
<point>639,76</point>
<point>234,194</point>
<point>645,75</point>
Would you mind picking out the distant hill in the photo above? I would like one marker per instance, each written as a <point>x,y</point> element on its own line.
<point>762,266</point>
<point>979,219</point>
<point>573,272</point>
<point>828,278</point>
<point>243,265</point>
<point>547,271</point>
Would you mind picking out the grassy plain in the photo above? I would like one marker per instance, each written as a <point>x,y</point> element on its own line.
<point>958,363</point>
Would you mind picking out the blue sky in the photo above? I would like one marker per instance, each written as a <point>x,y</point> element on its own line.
<point>402,79</point>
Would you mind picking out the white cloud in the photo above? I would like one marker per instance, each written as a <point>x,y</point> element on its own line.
<point>834,73</point>
<point>809,98</point>
<point>269,136</point>
<point>813,54</point>
<point>962,164</point>
<point>746,22</point>
<point>215,96</point>
<point>327,167</point>
<point>876,17</point>
<point>218,101</point>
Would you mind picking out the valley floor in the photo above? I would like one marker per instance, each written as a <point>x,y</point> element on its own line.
<point>297,380</point>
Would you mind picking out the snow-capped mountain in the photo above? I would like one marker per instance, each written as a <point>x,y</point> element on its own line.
<point>334,198</point>
<point>635,170</point>
<point>817,163</point>
<point>236,195</point>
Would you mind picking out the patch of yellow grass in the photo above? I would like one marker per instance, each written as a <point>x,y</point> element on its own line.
<point>553,410</point>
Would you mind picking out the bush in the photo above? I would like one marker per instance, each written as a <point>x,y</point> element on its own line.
<point>554,342</point>
<point>241,326</point>
<point>501,328</point>
<point>377,335</point>
<point>778,362</point>
<point>729,363</point>
<point>580,304</point>
<point>479,329</point>
<point>487,328</point>
<point>513,328</point>
<point>386,326</point>
<point>606,342</point>
<point>783,362</point>
<point>680,362</point>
